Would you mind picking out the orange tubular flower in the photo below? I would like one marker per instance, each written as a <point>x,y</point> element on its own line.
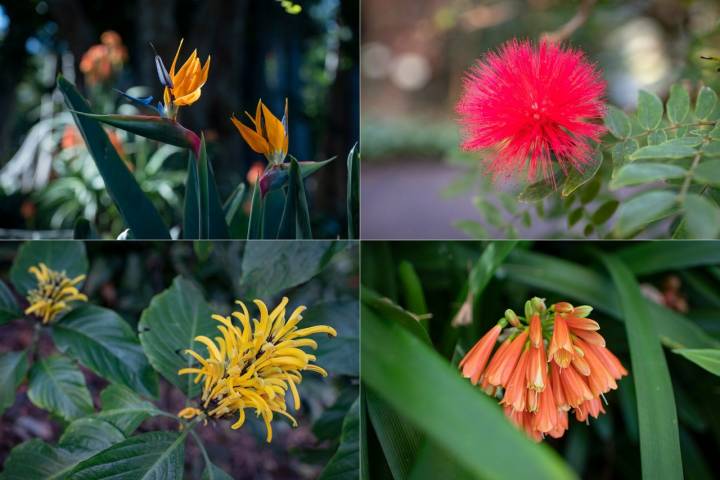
<point>541,387</point>
<point>270,134</point>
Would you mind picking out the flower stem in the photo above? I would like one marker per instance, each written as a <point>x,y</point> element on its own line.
<point>200,444</point>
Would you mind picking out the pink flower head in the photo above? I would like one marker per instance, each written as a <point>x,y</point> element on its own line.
<point>534,104</point>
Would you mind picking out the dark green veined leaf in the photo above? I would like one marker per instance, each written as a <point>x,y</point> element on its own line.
<point>678,104</point>
<point>644,258</point>
<point>536,192</point>
<point>124,408</point>
<point>604,212</point>
<point>255,222</point>
<point>657,416</point>
<point>13,366</point>
<point>102,341</point>
<point>340,354</point>
<point>152,455</point>
<point>61,256</point>
<point>707,358</point>
<point>9,308</point>
<point>671,149</point>
<point>353,192</point>
<point>233,203</point>
<point>388,349</point>
<point>168,327</point>
<point>57,385</point>
<point>191,209</point>
<point>641,210</point>
<point>272,266</point>
<point>649,110</point>
<point>702,217</point>
<point>708,172</point>
<point>705,103</point>
<point>213,472</point>
<point>346,461</point>
<point>36,460</point>
<point>617,122</point>
<point>87,436</point>
<point>135,207</point>
<point>639,173</point>
<point>575,282</point>
<point>577,178</point>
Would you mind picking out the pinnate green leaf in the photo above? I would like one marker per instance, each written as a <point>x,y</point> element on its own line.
<point>577,178</point>
<point>702,217</point>
<point>708,172</point>
<point>678,105</point>
<point>639,173</point>
<point>639,211</point>
<point>676,148</point>
<point>617,122</point>
<point>604,212</point>
<point>649,110</point>
<point>705,103</point>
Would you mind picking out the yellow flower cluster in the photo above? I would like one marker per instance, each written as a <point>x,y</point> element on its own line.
<point>53,294</point>
<point>254,364</point>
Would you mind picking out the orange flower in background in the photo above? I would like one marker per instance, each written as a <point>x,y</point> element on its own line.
<point>101,62</point>
<point>548,364</point>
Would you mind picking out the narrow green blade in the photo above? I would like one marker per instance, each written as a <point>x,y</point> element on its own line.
<point>255,222</point>
<point>191,215</point>
<point>353,192</point>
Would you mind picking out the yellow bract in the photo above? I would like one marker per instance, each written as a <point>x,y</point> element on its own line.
<point>270,136</point>
<point>254,364</point>
<point>53,294</point>
<point>187,82</point>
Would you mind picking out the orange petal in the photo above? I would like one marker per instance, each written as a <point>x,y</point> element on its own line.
<point>255,141</point>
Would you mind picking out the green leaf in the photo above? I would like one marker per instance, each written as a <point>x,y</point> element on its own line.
<point>152,455</point>
<point>289,222</point>
<point>58,386</point>
<point>102,341</point>
<point>395,313</point>
<point>707,358</point>
<point>671,149</point>
<point>656,137</point>
<point>13,366</point>
<point>276,176</point>
<point>652,257</point>
<point>484,270</point>
<point>168,327</point>
<point>620,153</point>
<point>272,266</point>
<point>345,463</point>
<point>702,217</point>
<point>576,178</point>
<point>641,210</point>
<point>212,215</point>
<point>604,212</point>
<point>255,222</point>
<point>617,122</point>
<point>536,192</point>
<point>711,149</point>
<point>58,255</point>
<point>213,472</point>
<point>705,103</point>
<point>657,415</point>
<point>36,460</point>
<point>678,105</point>
<point>233,203</point>
<point>471,228</point>
<point>388,349</point>
<point>84,230</point>
<point>575,216</point>
<point>342,351</point>
<point>649,110</point>
<point>303,214</point>
<point>191,209</point>
<point>639,173</point>
<point>135,207</point>
<point>708,172</point>
<point>87,436</point>
<point>353,192</point>
<point>9,308</point>
<point>124,409</point>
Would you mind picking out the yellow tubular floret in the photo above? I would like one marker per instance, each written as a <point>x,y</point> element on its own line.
<point>54,293</point>
<point>254,364</point>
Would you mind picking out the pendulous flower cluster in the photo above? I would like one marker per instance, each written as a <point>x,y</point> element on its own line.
<point>53,294</point>
<point>536,105</point>
<point>254,364</point>
<point>550,362</point>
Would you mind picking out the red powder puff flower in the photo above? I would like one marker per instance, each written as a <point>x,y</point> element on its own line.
<point>535,105</point>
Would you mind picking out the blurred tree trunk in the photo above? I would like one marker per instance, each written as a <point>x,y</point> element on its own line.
<point>73,22</point>
<point>155,24</point>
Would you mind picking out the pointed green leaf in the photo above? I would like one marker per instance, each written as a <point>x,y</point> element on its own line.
<point>289,221</point>
<point>87,436</point>
<point>168,327</point>
<point>604,212</point>
<point>303,214</point>
<point>278,175</point>
<point>148,456</point>
<point>577,178</point>
<point>58,255</point>
<point>678,105</point>
<point>212,215</point>
<point>705,103</point>
<point>671,149</point>
<point>124,409</point>
<point>255,222</point>
<point>702,217</point>
<point>58,386</point>
<point>640,173</point>
<point>102,341</point>
<point>617,122</point>
<point>37,460</point>
<point>657,415</point>
<point>536,192</point>
<point>656,137</point>
<point>472,228</point>
<point>353,192</point>
<point>9,308</point>
<point>233,203</point>
<point>345,463</point>
<point>191,210</point>
<point>641,210</point>
<point>213,472</point>
<point>707,358</point>
<point>13,366</point>
<point>621,153</point>
<point>649,110</point>
<point>135,207</point>
<point>652,257</point>
<point>342,351</point>
<point>708,172</point>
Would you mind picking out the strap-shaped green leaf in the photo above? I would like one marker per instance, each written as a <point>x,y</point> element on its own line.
<point>149,456</point>
<point>707,358</point>
<point>644,258</point>
<point>135,207</point>
<point>255,222</point>
<point>191,209</point>
<point>102,341</point>
<point>657,415</point>
<point>58,386</point>
<point>58,255</point>
<point>353,192</point>
<point>168,327</point>
<point>345,463</point>
<point>13,366</point>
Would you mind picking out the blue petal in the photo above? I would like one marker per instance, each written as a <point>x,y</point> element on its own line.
<point>144,104</point>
